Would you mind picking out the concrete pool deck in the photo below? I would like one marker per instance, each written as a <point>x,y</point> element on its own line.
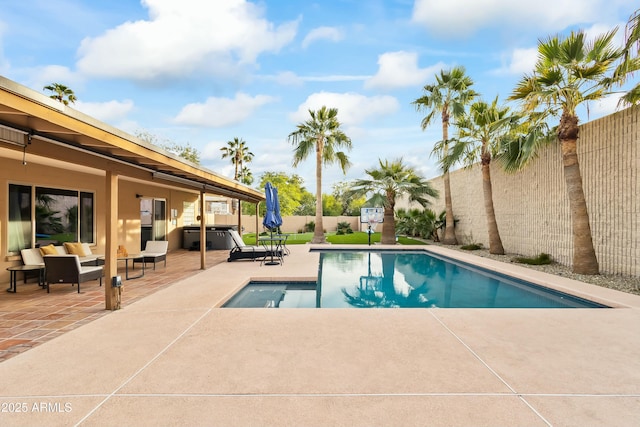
<point>176,358</point>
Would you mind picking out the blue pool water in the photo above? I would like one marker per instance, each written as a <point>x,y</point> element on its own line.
<point>401,279</point>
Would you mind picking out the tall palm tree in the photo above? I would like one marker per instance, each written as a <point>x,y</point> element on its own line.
<point>61,93</point>
<point>238,151</point>
<point>388,183</point>
<point>448,96</point>
<point>321,133</point>
<point>568,72</point>
<point>479,135</point>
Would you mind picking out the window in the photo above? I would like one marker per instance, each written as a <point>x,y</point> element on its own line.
<point>52,216</point>
<point>19,217</point>
<point>217,207</point>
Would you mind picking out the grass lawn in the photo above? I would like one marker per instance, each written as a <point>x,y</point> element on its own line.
<point>356,238</point>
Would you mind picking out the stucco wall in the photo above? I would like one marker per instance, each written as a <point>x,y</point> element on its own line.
<point>532,208</point>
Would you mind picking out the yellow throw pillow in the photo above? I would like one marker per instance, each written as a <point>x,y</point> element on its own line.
<point>48,250</point>
<point>74,248</point>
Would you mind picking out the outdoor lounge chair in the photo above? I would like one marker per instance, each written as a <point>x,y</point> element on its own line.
<point>243,251</point>
<point>67,269</point>
<point>154,251</point>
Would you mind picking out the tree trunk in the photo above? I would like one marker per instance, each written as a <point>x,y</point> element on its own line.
<point>449,230</point>
<point>584,254</point>
<point>388,236</point>
<point>495,242</point>
<point>318,230</point>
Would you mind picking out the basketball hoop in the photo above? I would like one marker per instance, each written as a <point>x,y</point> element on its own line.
<point>371,217</point>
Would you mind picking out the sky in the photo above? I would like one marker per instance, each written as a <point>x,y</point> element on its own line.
<point>203,72</point>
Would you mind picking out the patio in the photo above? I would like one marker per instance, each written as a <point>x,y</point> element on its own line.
<point>31,316</point>
<point>175,358</point>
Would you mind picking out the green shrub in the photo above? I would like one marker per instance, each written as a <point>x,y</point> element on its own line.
<point>344,228</point>
<point>539,260</point>
<point>310,226</point>
<point>472,247</point>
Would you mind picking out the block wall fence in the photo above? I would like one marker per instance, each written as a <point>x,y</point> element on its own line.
<point>532,208</point>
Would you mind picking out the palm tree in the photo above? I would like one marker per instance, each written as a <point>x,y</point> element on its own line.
<point>61,93</point>
<point>246,177</point>
<point>388,183</point>
<point>238,151</point>
<point>449,96</point>
<point>631,62</point>
<point>321,133</point>
<point>479,136</point>
<point>568,72</point>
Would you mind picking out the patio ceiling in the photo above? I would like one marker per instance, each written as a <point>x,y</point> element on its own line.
<point>37,116</point>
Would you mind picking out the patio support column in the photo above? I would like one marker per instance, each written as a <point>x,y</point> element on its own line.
<point>240,217</point>
<point>203,233</point>
<point>111,241</point>
<point>257,222</point>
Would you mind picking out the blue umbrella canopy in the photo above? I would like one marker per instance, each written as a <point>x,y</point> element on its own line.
<point>272,218</point>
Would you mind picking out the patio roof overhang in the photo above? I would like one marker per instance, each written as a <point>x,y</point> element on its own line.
<point>25,111</point>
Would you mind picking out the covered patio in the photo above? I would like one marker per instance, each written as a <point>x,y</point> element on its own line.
<point>47,148</point>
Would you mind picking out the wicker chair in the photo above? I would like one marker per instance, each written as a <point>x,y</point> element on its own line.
<point>67,269</point>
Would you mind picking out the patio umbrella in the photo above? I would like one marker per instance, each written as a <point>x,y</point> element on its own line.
<point>272,218</point>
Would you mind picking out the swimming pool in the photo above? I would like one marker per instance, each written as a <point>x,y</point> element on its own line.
<point>403,279</point>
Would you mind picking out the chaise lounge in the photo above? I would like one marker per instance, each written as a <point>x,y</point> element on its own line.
<point>243,251</point>
<point>67,269</point>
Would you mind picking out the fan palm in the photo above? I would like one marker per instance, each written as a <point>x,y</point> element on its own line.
<point>322,134</point>
<point>449,96</point>
<point>61,93</point>
<point>568,72</point>
<point>238,151</point>
<point>388,183</point>
<point>631,61</point>
<point>479,136</point>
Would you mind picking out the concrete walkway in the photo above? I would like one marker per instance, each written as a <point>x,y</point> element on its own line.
<point>175,358</point>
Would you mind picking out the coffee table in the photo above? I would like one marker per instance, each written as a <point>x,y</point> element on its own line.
<point>126,260</point>
<point>13,273</point>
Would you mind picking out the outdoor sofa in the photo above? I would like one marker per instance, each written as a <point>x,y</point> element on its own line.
<point>34,256</point>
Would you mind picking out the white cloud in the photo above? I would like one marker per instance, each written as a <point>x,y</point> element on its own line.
<point>38,77</point>
<point>221,112</point>
<point>353,108</point>
<point>110,112</point>
<point>322,33</point>
<point>521,61</point>
<point>400,69</point>
<point>603,107</point>
<point>180,38</point>
<point>287,78</point>
<point>463,17</point>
